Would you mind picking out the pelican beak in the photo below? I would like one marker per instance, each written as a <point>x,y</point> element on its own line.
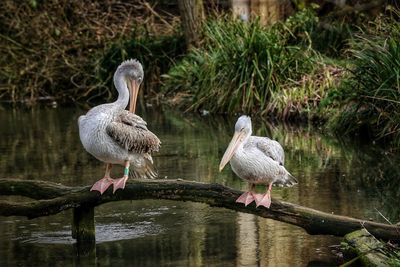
<point>133,92</point>
<point>237,139</point>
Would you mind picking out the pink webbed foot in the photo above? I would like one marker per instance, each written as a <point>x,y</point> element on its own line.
<point>258,198</point>
<point>246,198</point>
<point>119,183</point>
<point>264,200</point>
<point>102,185</point>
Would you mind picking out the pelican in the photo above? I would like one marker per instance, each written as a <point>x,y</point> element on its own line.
<point>257,160</point>
<point>114,135</point>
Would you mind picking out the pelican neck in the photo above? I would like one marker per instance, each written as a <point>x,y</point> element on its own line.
<point>241,145</point>
<point>123,91</point>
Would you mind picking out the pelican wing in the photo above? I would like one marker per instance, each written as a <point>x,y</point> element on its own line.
<point>130,132</point>
<point>271,148</point>
<point>274,150</point>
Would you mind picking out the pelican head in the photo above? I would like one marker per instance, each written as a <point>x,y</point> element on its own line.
<point>242,132</point>
<point>132,72</point>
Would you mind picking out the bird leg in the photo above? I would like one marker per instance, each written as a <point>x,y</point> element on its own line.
<point>247,197</point>
<point>120,183</point>
<point>266,198</point>
<point>102,184</point>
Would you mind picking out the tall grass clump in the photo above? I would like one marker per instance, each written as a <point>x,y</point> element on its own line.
<point>370,97</point>
<point>241,66</point>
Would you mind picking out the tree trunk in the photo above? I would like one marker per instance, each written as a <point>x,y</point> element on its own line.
<point>269,11</point>
<point>192,16</point>
<point>61,198</point>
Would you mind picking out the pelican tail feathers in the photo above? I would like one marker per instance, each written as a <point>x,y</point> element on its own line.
<point>287,180</point>
<point>146,170</point>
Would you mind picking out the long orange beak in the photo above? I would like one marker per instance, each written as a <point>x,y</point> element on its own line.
<point>133,92</point>
<point>237,139</point>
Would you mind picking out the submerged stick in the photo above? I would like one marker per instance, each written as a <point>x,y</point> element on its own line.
<point>61,198</point>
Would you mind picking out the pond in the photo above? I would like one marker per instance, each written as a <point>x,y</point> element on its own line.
<point>334,176</point>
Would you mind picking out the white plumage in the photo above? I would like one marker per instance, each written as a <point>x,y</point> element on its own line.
<point>257,160</point>
<point>114,135</point>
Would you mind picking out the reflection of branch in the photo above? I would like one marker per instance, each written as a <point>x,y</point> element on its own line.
<point>58,198</point>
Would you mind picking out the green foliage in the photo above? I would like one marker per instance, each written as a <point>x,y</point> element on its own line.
<point>242,66</point>
<point>372,90</point>
<point>394,261</point>
<point>332,39</point>
<point>327,37</point>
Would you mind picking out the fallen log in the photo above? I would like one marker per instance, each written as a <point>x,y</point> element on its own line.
<point>365,248</point>
<point>51,198</point>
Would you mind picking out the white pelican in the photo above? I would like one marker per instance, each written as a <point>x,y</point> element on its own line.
<point>116,136</point>
<point>258,160</point>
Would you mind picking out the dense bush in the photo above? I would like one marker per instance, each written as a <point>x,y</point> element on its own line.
<point>370,96</point>
<point>245,67</point>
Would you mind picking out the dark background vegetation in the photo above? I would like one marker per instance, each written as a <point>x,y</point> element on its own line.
<point>334,63</point>
<point>68,50</point>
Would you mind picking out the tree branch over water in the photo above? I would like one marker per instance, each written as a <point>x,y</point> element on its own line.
<point>56,198</point>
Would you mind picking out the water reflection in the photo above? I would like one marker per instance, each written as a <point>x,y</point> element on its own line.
<point>247,240</point>
<point>334,177</point>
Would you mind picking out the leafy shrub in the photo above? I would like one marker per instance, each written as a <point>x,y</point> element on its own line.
<point>242,65</point>
<point>372,104</point>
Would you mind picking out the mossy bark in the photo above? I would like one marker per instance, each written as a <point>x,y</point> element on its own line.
<point>83,230</point>
<point>367,249</point>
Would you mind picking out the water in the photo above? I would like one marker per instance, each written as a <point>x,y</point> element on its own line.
<point>342,178</point>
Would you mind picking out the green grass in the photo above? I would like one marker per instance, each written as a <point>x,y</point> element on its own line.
<point>369,101</point>
<point>395,260</point>
<point>246,67</point>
